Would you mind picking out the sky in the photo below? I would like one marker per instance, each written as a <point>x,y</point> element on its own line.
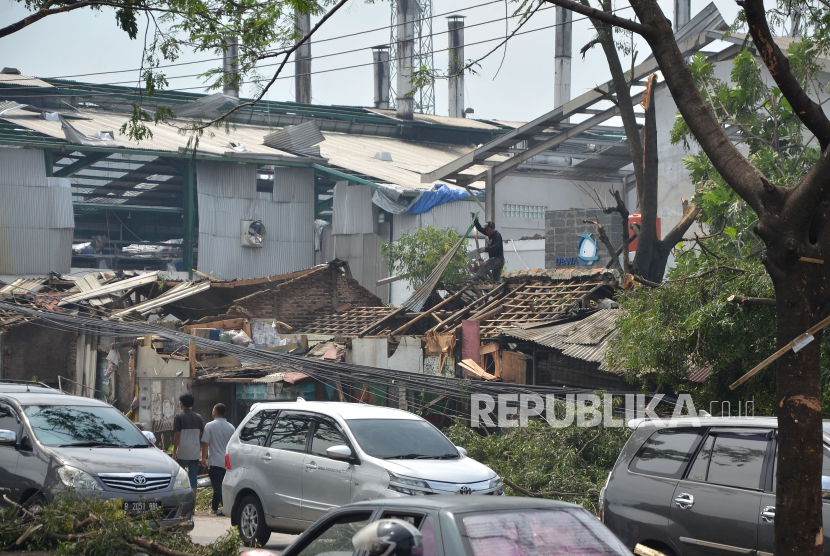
<point>520,88</point>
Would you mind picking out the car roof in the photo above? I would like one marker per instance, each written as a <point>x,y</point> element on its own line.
<point>766,422</point>
<point>343,410</point>
<point>463,504</point>
<point>40,398</point>
<point>36,388</point>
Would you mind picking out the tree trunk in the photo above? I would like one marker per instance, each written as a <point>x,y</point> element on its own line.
<point>798,505</point>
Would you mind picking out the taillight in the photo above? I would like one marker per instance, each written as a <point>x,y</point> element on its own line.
<point>227,461</point>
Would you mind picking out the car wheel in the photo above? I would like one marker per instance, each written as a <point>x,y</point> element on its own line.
<point>251,522</point>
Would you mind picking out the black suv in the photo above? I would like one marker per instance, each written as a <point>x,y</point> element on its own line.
<point>699,490</point>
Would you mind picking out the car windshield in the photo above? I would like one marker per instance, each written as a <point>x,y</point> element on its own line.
<point>401,439</point>
<point>537,533</point>
<point>76,425</point>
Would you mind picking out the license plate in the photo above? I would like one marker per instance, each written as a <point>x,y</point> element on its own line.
<point>139,508</point>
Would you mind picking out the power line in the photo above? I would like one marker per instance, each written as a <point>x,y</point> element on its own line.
<point>291,76</point>
<point>219,59</point>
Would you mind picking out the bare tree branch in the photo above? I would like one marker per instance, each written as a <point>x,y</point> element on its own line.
<point>603,237</point>
<point>605,17</point>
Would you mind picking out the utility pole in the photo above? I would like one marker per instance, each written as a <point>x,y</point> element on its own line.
<point>302,59</point>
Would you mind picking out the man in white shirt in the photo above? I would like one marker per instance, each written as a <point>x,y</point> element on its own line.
<point>214,443</point>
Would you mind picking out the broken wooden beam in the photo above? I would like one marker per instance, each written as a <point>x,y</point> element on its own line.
<point>425,314</point>
<point>381,321</point>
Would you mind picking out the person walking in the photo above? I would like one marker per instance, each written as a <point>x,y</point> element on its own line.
<point>187,434</point>
<point>494,250</point>
<point>214,443</point>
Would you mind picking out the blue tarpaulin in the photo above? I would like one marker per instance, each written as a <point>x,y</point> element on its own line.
<point>433,198</point>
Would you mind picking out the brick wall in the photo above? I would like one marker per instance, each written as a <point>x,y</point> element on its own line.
<point>562,240</point>
<point>300,301</point>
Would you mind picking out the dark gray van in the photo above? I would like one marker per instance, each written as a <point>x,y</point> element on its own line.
<point>699,490</point>
<point>51,443</point>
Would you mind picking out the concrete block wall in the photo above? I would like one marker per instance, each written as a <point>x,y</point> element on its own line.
<point>562,229</point>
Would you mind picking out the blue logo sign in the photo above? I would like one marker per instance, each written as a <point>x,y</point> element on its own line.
<point>587,249</point>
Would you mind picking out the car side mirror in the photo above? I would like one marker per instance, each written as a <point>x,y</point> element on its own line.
<point>8,438</point>
<point>150,436</point>
<point>462,451</point>
<point>341,452</point>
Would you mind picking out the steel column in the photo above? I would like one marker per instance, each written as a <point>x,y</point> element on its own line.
<point>189,206</point>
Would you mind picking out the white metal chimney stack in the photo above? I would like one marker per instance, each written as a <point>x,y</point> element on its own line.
<point>562,57</point>
<point>682,13</point>
<point>456,54</point>
<point>380,69</point>
<point>302,60</point>
<point>230,65</point>
<point>407,10</point>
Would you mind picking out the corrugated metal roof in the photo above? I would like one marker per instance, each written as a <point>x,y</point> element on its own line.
<point>176,293</point>
<point>584,339</point>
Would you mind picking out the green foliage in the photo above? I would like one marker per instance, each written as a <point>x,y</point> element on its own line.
<point>415,255</point>
<point>98,528</point>
<point>569,463</point>
<point>687,323</point>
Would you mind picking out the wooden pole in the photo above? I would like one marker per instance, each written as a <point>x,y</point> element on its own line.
<point>799,342</point>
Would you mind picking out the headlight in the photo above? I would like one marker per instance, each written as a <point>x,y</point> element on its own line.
<point>496,482</point>
<point>399,483</point>
<point>182,480</point>
<point>76,479</point>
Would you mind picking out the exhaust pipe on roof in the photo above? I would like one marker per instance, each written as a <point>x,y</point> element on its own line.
<point>380,69</point>
<point>456,75</point>
<point>562,57</point>
<point>407,12</point>
<point>230,66</point>
<point>302,60</point>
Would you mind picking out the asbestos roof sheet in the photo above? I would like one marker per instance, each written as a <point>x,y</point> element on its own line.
<point>176,293</point>
<point>166,138</point>
<point>23,285</point>
<point>409,159</point>
<point>14,80</point>
<point>469,123</point>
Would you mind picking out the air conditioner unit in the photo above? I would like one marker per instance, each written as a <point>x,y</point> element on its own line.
<point>253,233</point>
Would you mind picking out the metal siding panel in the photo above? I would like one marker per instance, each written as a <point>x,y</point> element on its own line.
<point>22,167</point>
<point>353,209</point>
<point>227,179</point>
<point>289,246</point>
<point>293,185</point>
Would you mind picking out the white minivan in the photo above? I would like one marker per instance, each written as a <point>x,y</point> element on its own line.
<point>289,463</point>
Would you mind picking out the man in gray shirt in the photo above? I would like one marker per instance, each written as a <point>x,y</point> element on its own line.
<point>214,443</point>
<point>187,432</point>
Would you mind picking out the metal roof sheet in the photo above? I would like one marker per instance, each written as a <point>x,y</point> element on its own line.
<point>18,80</point>
<point>23,285</point>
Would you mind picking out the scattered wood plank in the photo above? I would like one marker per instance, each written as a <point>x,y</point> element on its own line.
<point>476,370</point>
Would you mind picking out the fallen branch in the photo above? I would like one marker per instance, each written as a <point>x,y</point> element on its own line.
<point>526,492</point>
<point>741,300</point>
<point>13,503</point>
<point>603,237</point>
<point>28,532</point>
<point>587,443</point>
<point>157,548</point>
<point>702,274</point>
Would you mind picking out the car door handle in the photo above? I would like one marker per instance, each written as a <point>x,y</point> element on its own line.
<point>266,458</point>
<point>311,466</point>
<point>768,514</point>
<point>684,501</point>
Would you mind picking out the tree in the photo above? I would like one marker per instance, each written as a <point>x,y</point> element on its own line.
<point>794,226</point>
<point>652,252</point>
<point>414,256</point>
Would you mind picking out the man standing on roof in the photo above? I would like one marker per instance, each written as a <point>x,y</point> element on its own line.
<point>495,250</point>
